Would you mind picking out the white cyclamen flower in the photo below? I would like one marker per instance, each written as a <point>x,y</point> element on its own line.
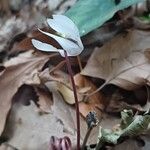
<point>67,36</point>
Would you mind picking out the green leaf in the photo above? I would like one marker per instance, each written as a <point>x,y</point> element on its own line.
<point>126,118</point>
<point>138,126</point>
<point>107,136</point>
<point>91,14</point>
<point>132,126</point>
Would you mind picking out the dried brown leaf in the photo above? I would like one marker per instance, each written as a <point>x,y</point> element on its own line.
<point>6,146</point>
<point>84,86</point>
<point>96,102</point>
<point>9,30</point>
<point>44,99</point>
<point>4,5</point>
<point>26,44</point>
<point>13,77</point>
<point>122,61</point>
<point>67,93</point>
<point>35,129</point>
<point>66,114</point>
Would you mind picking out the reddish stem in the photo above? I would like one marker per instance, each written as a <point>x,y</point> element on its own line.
<point>75,97</point>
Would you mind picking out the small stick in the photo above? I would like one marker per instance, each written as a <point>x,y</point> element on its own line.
<point>60,65</point>
<point>80,64</point>
<point>86,137</point>
<point>94,92</point>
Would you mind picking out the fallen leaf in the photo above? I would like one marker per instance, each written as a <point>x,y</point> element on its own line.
<point>25,94</point>
<point>67,93</point>
<point>122,61</point>
<point>6,146</point>
<point>96,102</point>
<point>142,144</point>
<point>117,103</point>
<point>16,75</point>
<point>39,94</point>
<point>84,86</point>
<point>4,5</point>
<point>26,43</point>
<point>10,29</point>
<point>44,99</point>
<point>34,130</point>
<point>126,145</point>
<point>67,115</point>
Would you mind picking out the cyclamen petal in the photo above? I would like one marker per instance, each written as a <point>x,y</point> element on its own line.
<point>71,48</point>
<point>64,25</point>
<point>45,47</point>
<point>61,29</point>
<point>65,20</point>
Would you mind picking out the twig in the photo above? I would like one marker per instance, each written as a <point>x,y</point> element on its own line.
<point>75,97</point>
<point>86,137</point>
<point>58,66</point>
<point>110,79</point>
<point>97,90</point>
<point>79,62</point>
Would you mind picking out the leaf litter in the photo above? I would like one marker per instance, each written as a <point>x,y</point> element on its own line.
<point>44,105</point>
<point>118,61</point>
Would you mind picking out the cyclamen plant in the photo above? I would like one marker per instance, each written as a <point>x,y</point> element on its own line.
<point>67,35</point>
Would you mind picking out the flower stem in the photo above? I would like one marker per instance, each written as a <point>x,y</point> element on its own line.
<point>75,97</point>
<point>86,137</point>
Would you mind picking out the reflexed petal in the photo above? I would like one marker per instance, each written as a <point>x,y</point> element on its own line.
<point>71,48</point>
<point>64,25</point>
<point>46,47</point>
<point>43,46</point>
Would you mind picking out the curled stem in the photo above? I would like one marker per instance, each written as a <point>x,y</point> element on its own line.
<point>75,97</point>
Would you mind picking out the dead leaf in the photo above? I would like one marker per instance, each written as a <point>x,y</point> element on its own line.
<point>6,146</point>
<point>26,43</point>
<point>67,93</point>
<point>44,99</point>
<point>13,77</point>
<point>66,114</point>
<point>34,129</point>
<point>84,86</point>
<point>134,144</point>
<point>96,102</point>
<point>129,144</point>
<point>117,103</point>
<point>122,61</point>
<point>25,94</point>
<point>10,29</point>
<point>4,5</point>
